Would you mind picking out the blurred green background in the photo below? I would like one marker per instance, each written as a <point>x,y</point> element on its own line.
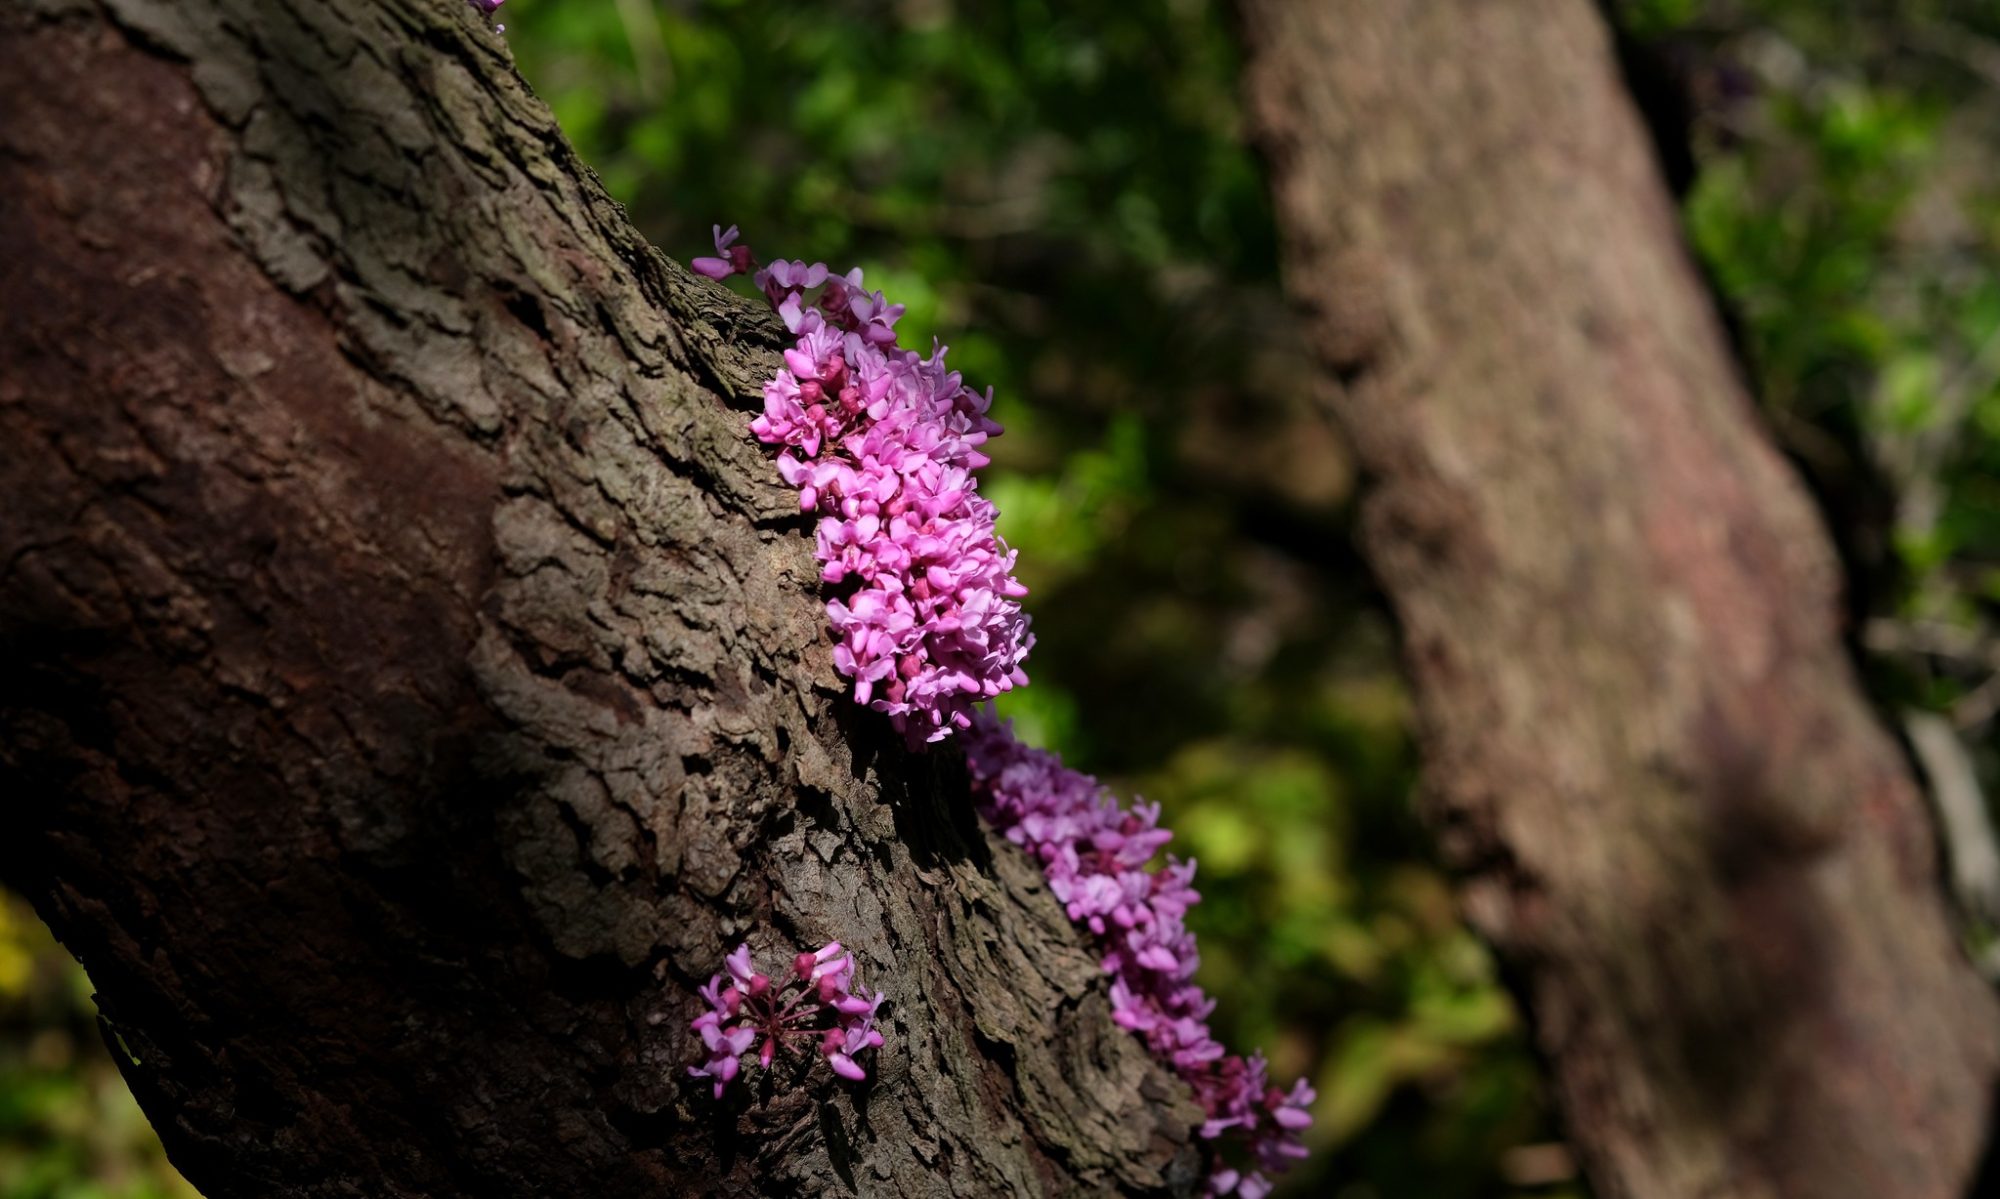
<point>1063,194</point>
<point>68,1126</point>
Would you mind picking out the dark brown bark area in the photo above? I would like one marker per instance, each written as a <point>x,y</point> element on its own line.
<point>1705,863</point>
<point>413,678</point>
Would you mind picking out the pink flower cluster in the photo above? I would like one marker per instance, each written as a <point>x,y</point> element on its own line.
<point>882,443</point>
<point>1095,854</point>
<point>817,1006</point>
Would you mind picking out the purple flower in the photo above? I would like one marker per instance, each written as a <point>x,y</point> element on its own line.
<point>815,1009</point>
<point>1097,855</point>
<point>842,1043</point>
<point>732,261</point>
<point>882,443</point>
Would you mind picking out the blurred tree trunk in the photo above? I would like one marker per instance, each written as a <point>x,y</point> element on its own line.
<point>412,677</point>
<point>1702,859</point>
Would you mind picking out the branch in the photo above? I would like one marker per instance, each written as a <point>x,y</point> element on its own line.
<point>413,679</point>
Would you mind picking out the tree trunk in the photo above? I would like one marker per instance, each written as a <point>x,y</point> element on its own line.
<point>1704,862</point>
<point>413,678</point>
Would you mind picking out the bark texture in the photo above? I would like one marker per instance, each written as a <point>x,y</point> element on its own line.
<point>413,679</point>
<point>1705,863</point>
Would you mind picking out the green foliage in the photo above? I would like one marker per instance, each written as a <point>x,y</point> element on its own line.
<point>68,1126</point>
<point>1848,208</point>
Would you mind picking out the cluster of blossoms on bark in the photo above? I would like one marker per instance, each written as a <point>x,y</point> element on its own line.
<point>881,442</point>
<point>1097,855</point>
<point>817,1008</point>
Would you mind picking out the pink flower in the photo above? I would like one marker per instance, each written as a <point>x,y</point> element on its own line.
<point>839,1045</point>
<point>816,1008</point>
<point>883,444</point>
<point>732,261</point>
<point>1097,855</point>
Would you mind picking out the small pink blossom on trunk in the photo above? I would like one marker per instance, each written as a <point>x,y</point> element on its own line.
<point>815,1010</point>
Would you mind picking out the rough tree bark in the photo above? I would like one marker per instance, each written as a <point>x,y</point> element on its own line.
<point>1705,863</point>
<point>413,679</point>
